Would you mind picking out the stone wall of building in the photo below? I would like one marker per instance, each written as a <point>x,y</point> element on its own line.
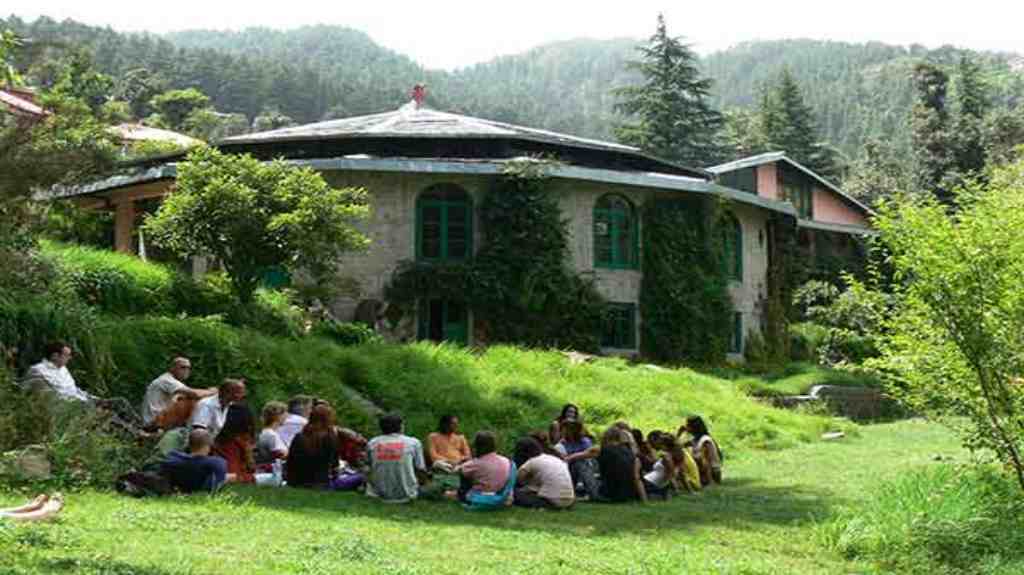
<point>391,229</point>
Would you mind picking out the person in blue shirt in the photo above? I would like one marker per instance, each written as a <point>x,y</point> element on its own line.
<point>196,470</point>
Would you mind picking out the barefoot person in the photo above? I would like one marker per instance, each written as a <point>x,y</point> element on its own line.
<point>41,508</point>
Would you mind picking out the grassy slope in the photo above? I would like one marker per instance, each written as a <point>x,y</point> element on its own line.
<point>762,521</point>
<point>511,391</point>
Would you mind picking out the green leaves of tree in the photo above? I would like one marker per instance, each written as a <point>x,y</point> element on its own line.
<point>254,217</point>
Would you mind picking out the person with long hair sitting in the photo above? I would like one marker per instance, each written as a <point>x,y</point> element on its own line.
<point>447,449</point>
<point>236,443</point>
<point>577,450</point>
<point>705,450</point>
<point>644,452</point>
<point>544,479</point>
<point>620,469</point>
<point>569,411</point>
<point>313,455</point>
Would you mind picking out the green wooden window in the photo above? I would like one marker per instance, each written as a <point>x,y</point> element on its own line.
<point>444,224</point>
<point>620,329</point>
<point>616,233</point>
<point>732,243</point>
<point>736,344</point>
<point>443,320</point>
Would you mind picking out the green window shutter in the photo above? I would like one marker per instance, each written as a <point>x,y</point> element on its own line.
<point>616,233</point>
<point>736,345</point>
<point>444,224</point>
<point>737,248</point>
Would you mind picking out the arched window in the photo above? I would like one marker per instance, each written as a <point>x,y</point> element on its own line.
<point>732,243</point>
<point>616,234</point>
<point>444,223</point>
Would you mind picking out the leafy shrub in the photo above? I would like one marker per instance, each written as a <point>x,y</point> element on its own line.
<point>946,519</point>
<point>270,312</point>
<point>841,325</point>
<point>113,282</point>
<point>81,449</point>
<point>805,340</point>
<point>346,333</point>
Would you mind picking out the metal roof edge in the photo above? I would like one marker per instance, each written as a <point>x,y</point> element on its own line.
<point>835,227</point>
<point>113,182</point>
<point>640,179</point>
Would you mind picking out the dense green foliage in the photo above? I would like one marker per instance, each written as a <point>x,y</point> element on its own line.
<point>684,298</point>
<point>669,114</point>
<point>858,92</point>
<point>948,519</point>
<point>952,344</point>
<point>255,217</point>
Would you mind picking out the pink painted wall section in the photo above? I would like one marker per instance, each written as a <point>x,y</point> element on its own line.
<point>768,182</point>
<point>830,208</point>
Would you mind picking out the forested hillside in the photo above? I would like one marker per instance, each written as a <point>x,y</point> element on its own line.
<point>858,92</point>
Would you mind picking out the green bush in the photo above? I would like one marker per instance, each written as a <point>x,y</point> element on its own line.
<point>953,519</point>
<point>805,340</point>
<point>124,285</point>
<point>113,282</point>
<point>345,333</point>
<point>81,448</point>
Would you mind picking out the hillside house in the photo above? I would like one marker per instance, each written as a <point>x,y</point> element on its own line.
<point>426,171</point>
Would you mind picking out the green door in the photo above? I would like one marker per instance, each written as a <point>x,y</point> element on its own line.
<point>443,320</point>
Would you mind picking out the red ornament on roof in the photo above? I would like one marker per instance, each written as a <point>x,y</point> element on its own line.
<point>419,93</point>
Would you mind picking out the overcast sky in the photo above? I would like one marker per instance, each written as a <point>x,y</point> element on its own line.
<point>454,33</point>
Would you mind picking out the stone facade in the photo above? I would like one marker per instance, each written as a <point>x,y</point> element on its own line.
<point>392,220</point>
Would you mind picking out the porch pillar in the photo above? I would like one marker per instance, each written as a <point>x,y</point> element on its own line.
<point>124,225</point>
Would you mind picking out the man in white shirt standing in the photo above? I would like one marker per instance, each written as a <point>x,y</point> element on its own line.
<point>211,412</point>
<point>160,395</point>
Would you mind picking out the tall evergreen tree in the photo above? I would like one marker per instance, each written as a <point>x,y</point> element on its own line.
<point>972,97</point>
<point>671,112</point>
<point>787,124</point>
<point>933,141</point>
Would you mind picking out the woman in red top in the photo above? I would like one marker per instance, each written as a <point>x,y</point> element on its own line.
<point>236,443</point>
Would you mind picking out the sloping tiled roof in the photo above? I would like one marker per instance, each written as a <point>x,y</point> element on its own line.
<point>139,133</point>
<point>772,157</point>
<point>410,122</point>
<point>19,105</point>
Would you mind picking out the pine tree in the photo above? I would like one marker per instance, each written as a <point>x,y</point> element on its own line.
<point>972,97</point>
<point>787,124</point>
<point>933,141</point>
<point>671,112</point>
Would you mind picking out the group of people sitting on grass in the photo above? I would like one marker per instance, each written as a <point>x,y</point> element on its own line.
<point>209,437</point>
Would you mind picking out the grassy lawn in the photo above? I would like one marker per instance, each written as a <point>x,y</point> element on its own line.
<point>763,520</point>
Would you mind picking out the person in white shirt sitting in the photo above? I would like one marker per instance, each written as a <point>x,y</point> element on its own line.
<point>211,412</point>
<point>299,408</point>
<point>51,374</point>
<point>169,402</point>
